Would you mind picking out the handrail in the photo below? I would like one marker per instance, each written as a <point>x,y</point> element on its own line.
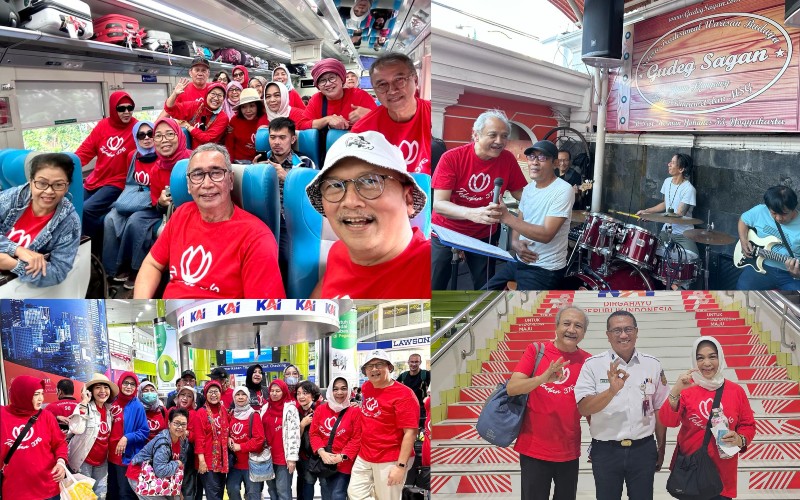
<point>525,296</point>
<point>772,298</point>
<point>468,327</point>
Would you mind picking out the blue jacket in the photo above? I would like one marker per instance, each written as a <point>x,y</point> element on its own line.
<point>159,453</point>
<point>60,237</point>
<point>135,428</point>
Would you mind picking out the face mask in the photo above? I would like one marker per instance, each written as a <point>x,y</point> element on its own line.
<point>290,380</point>
<point>149,397</point>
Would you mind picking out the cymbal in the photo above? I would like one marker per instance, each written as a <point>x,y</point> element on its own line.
<point>671,218</point>
<point>709,237</point>
<point>579,216</point>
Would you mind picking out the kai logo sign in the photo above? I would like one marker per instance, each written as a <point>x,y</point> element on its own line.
<point>197,315</point>
<point>269,305</point>
<point>229,308</point>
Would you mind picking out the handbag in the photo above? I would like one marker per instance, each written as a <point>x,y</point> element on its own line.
<point>16,444</point>
<point>260,465</point>
<point>501,417</point>
<point>151,485</point>
<point>77,487</point>
<point>695,476</point>
<point>132,199</point>
<point>318,468</point>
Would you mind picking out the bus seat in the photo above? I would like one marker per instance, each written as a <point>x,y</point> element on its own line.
<point>307,143</point>
<point>17,166</point>
<point>188,137</point>
<point>255,189</point>
<point>333,136</point>
<point>8,155</point>
<point>311,236</point>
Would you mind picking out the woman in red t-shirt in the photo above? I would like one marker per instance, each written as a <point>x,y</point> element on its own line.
<point>282,429</point>
<point>281,75</point>
<point>153,408</point>
<point>205,120</point>
<point>276,98</point>
<point>346,443</point>
<point>39,463</point>
<point>689,404</point>
<point>247,436</point>
<point>185,398</point>
<point>250,116</point>
<point>212,428</point>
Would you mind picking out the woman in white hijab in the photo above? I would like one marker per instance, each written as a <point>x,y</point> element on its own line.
<point>244,440</point>
<point>346,443</point>
<point>689,406</point>
<point>281,75</point>
<point>276,100</point>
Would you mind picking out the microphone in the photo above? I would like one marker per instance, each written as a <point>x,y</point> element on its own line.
<point>498,185</point>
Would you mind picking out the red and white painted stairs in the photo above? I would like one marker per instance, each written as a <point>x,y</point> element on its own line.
<point>466,466</point>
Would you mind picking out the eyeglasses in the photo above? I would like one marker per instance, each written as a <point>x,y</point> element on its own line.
<point>235,89</point>
<point>325,81</point>
<point>368,186</point>
<point>379,365</point>
<point>129,384</point>
<point>399,83</point>
<point>213,392</point>
<point>168,136</point>
<point>179,425</point>
<point>144,135</point>
<point>124,108</point>
<point>57,186</point>
<point>538,157</point>
<point>238,74</point>
<point>628,330</point>
<point>215,174</point>
<point>216,95</point>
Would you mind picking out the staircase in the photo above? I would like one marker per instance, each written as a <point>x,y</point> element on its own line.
<point>465,466</point>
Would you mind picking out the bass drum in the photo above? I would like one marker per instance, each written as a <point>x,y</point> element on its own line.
<point>621,276</point>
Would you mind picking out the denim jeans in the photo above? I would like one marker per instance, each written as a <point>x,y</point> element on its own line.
<point>280,488</point>
<point>252,491</point>
<point>118,487</point>
<point>334,487</point>
<point>775,278</point>
<point>127,240</point>
<point>100,476</point>
<point>305,481</point>
<point>214,484</point>
<point>96,204</point>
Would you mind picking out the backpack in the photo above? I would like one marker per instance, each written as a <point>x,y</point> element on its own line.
<point>501,417</point>
<point>230,56</point>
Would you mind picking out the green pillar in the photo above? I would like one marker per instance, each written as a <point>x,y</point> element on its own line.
<point>298,356</point>
<point>343,354</point>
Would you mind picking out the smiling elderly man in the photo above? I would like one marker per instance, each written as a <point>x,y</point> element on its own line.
<point>212,248</point>
<point>368,198</point>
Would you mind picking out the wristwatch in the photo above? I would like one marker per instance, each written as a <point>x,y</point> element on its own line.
<point>345,458</point>
<point>401,464</point>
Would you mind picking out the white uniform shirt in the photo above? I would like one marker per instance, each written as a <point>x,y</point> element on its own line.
<point>623,417</point>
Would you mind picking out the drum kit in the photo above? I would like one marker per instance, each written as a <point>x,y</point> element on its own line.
<point>613,255</point>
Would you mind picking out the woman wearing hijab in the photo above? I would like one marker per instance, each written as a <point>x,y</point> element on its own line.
<point>281,75</point>
<point>241,75</point>
<point>153,408</point>
<point>247,436</point>
<point>257,393</point>
<point>233,93</point>
<point>90,426</point>
<point>110,141</point>
<point>135,197</point>
<point>129,433</point>
<point>688,407</point>
<point>276,97</point>
<point>250,116</point>
<point>308,399</point>
<point>32,471</point>
<point>282,430</point>
<point>346,443</point>
<point>205,120</point>
<point>258,83</point>
<point>291,376</point>
<point>185,399</point>
<point>212,428</point>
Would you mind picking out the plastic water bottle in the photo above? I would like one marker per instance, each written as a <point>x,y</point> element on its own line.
<point>719,426</point>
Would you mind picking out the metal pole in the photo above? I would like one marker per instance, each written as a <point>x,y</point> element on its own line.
<point>600,145</point>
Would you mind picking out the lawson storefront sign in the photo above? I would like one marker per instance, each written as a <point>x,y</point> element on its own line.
<point>721,65</point>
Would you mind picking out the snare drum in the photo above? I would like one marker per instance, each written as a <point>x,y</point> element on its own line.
<point>669,269</point>
<point>621,276</point>
<point>596,231</point>
<point>638,246</point>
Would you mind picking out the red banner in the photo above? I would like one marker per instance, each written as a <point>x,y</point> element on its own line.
<point>720,65</point>
<point>14,370</point>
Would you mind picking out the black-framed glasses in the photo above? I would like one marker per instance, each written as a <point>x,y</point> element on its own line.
<point>538,157</point>
<point>168,136</point>
<point>216,95</point>
<point>215,174</point>
<point>129,384</point>
<point>399,83</point>
<point>144,135</point>
<point>57,186</point>
<point>628,330</point>
<point>179,425</point>
<point>368,186</point>
<point>125,107</point>
<point>325,81</point>
<point>379,365</point>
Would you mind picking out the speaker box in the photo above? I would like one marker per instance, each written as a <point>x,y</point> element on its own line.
<point>792,13</point>
<point>602,32</point>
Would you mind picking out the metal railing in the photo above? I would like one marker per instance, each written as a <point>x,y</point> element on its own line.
<point>467,328</point>
<point>789,312</point>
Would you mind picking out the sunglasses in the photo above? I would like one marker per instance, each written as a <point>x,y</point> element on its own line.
<point>144,135</point>
<point>124,108</point>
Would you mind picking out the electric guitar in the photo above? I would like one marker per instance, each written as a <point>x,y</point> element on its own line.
<point>585,186</point>
<point>762,250</point>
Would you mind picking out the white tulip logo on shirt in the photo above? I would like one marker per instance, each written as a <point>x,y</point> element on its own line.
<point>566,377</point>
<point>252,141</point>
<point>154,424</point>
<point>479,182</point>
<point>142,178</point>
<point>328,424</point>
<point>201,265</point>
<point>410,151</point>
<point>104,428</point>
<point>371,404</point>
<point>705,408</point>
<point>114,143</point>
<point>24,239</point>
<point>237,428</point>
<point>16,430</point>
<point>115,410</point>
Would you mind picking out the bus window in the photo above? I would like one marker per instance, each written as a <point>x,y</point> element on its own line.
<point>149,99</point>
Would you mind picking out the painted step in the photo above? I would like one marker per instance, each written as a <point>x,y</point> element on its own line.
<point>642,341</point>
<point>662,332</point>
<point>519,326</point>
<point>596,345</point>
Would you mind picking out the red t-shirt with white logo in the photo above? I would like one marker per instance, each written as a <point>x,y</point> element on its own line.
<point>28,227</point>
<point>342,107</point>
<point>551,429</point>
<point>99,452</point>
<point>348,434</point>
<point>240,432</point>
<point>343,278</point>
<point>192,93</point>
<point>241,141</point>
<point>157,421</point>
<point>237,258</point>
<point>204,437</point>
<point>141,172</point>
<point>470,181</point>
<point>412,137</point>
<point>117,432</point>
<point>386,413</point>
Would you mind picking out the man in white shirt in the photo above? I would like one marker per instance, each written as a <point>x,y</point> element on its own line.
<point>622,389</point>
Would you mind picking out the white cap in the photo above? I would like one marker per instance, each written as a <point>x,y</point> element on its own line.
<point>377,354</point>
<point>373,148</point>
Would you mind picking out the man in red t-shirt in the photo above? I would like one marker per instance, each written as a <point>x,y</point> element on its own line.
<point>463,187</point>
<point>65,406</point>
<point>378,255</point>
<point>550,438</point>
<point>212,248</point>
<point>403,118</point>
<point>390,411</point>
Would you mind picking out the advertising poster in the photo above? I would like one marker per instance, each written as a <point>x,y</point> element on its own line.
<point>167,359</point>
<point>723,66</point>
<point>54,339</point>
<point>343,349</point>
